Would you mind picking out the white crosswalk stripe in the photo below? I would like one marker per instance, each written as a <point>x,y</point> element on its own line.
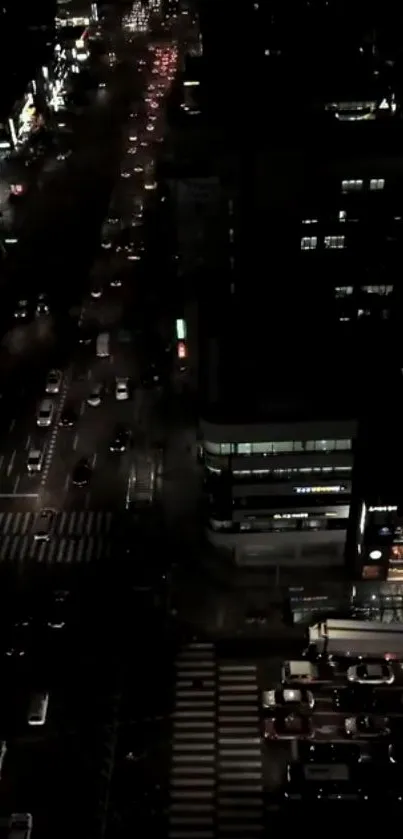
<point>78,537</point>
<point>193,767</point>
<point>239,759</point>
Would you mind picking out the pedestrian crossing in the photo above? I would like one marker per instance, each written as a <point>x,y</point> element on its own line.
<point>77,537</point>
<point>74,523</point>
<point>216,779</point>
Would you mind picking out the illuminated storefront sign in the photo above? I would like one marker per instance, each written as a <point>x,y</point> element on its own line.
<point>318,489</point>
<point>385,509</point>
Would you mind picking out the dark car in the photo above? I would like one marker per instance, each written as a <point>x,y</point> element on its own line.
<point>68,417</point>
<point>82,473</point>
<point>287,727</point>
<point>358,698</point>
<point>120,440</point>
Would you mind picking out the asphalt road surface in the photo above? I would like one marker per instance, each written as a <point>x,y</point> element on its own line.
<point>54,257</point>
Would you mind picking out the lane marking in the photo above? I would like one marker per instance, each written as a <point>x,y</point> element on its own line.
<point>28,443</point>
<point>66,483</point>
<point>12,425</point>
<point>82,408</point>
<point>75,442</point>
<point>16,485</point>
<point>11,463</point>
<point>19,495</point>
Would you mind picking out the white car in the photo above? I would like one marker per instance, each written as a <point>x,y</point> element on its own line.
<point>95,397</point>
<point>115,282</point>
<point>96,292</point>
<point>371,674</point>
<point>286,697</point>
<point>34,460</point>
<point>53,381</point>
<point>122,389</point>
<point>21,310</point>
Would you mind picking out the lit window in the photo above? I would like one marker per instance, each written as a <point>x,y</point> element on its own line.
<point>342,215</point>
<point>262,448</point>
<point>378,289</point>
<point>282,447</point>
<point>352,185</point>
<point>335,242</point>
<point>376,184</point>
<point>309,243</point>
<point>244,448</point>
<point>343,290</point>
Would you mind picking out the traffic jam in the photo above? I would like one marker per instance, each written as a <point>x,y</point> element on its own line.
<point>334,721</point>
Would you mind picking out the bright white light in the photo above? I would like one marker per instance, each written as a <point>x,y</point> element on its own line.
<point>375,555</point>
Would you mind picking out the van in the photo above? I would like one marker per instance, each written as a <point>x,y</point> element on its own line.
<point>103,345</point>
<point>45,413</point>
<point>38,708</point>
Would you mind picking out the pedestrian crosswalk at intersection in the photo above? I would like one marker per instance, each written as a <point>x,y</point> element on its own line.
<point>77,537</point>
<point>216,780</point>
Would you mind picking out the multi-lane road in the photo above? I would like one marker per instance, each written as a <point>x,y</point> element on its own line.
<point>116,143</point>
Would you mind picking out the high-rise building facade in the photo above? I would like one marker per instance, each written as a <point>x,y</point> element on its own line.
<point>304,324</point>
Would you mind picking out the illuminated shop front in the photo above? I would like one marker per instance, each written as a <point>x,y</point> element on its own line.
<point>283,494</point>
<point>25,119</point>
<point>380,542</point>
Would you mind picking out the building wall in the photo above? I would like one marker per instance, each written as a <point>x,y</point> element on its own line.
<point>287,502</point>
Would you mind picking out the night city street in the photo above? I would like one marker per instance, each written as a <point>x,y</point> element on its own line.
<point>201,528</point>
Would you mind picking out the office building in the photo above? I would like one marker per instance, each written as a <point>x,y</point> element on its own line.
<point>305,318</point>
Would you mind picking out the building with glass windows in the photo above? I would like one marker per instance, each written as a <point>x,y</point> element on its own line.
<point>278,488</point>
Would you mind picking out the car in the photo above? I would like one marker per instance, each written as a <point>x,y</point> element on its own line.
<point>57,614</point>
<point>120,440</point>
<point>34,460</point>
<point>287,697</point>
<point>44,416</point>
<point>395,753</point>
<point>287,727</point>
<point>44,524</point>
<point>96,292</point>
<point>87,332</point>
<point>42,309</point>
<point>122,389</point>
<point>95,397</point>
<point>366,725</point>
<point>82,473</point>
<point>53,381</point>
<point>20,826</point>
<point>371,674</point>
<point>300,672</point>
<point>354,698</point>
<point>115,282</point>
<point>68,417</point>
<point>126,174</point>
<point>42,306</point>
<point>63,155</point>
<point>21,310</point>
